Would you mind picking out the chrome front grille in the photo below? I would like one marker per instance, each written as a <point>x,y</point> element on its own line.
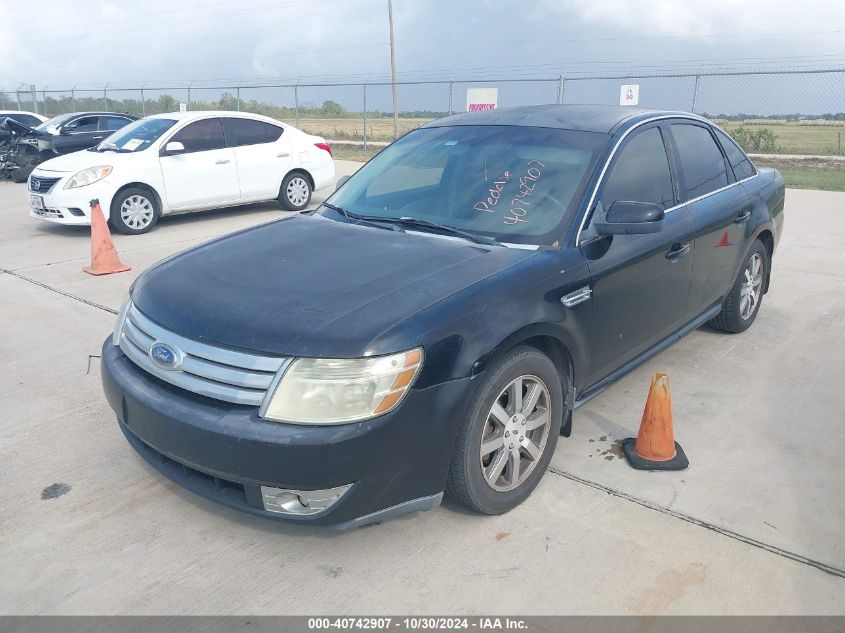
<point>204,369</point>
<point>40,184</point>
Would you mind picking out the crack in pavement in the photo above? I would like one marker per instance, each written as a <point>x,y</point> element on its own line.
<point>93,304</point>
<point>772,549</point>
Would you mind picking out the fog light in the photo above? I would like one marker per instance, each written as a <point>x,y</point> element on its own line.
<point>301,502</point>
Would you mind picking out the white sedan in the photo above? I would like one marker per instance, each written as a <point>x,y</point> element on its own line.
<point>181,162</point>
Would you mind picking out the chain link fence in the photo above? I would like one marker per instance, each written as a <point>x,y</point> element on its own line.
<point>785,112</point>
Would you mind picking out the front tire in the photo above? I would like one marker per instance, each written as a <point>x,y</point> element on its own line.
<point>508,434</point>
<point>134,211</point>
<point>746,296</point>
<point>295,193</point>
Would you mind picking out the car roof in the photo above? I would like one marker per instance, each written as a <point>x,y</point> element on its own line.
<point>200,114</point>
<point>587,118</point>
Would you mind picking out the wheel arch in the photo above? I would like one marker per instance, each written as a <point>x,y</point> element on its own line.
<point>298,170</point>
<point>767,237</point>
<point>551,341</point>
<point>138,185</point>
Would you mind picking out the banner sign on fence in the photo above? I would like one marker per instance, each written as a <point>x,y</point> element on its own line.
<point>629,94</point>
<point>183,107</point>
<point>482,99</point>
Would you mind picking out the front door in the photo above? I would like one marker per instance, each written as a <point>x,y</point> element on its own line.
<point>640,283</point>
<point>79,134</point>
<point>206,173</point>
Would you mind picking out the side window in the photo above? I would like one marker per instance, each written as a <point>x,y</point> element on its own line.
<point>112,123</point>
<point>84,124</point>
<point>736,157</point>
<point>274,132</point>
<point>244,131</point>
<point>201,136</point>
<point>24,119</point>
<point>641,173</point>
<point>701,160</point>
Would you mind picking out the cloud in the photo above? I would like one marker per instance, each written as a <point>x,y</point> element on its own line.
<point>704,17</point>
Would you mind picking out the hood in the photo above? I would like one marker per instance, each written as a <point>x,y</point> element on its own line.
<point>83,159</point>
<point>310,286</point>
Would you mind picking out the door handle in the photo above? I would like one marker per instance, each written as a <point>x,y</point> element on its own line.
<point>283,155</point>
<point>677,251</point>
<point>743,216</point>
<point>222,161</point>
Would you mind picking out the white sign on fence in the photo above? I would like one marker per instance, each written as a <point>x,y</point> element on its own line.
<point>183,107</point>
<point>482,99</point>
<point>629,94</point>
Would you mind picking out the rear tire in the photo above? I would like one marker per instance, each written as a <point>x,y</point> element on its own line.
<point>743,302</point>
<point>22,173</point>
<point>134,211</point>
<point>295,192</point>
<point>499,458</point>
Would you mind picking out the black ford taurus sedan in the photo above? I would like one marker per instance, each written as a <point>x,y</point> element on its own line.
<point>433,325</point>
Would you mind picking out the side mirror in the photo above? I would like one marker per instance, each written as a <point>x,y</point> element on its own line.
<point>629,218</point>
<point>173,147</point>
<point>67,129</point>
<point>341,181</point>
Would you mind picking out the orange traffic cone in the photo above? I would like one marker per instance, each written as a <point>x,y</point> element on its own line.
<point>655,447</point>
<point>104,259</point>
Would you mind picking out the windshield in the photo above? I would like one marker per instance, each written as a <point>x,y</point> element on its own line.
<point>136,136</point>
<point>513,183</point>
<point>52,125</point>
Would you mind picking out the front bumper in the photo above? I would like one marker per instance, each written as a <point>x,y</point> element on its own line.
<point>396,463</point>
<point>69,206</point>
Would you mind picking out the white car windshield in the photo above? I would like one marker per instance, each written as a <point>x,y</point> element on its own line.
<point>136,136</point>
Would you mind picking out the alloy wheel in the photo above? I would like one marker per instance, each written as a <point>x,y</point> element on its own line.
<point>752,287</point>
<point>515,433</point>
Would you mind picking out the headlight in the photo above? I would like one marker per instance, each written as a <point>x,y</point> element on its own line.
<point>88,176</point>
<point>338,391</point>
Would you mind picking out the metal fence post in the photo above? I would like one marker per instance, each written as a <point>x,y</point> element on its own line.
<point>73,98</point>
<point>105,98</point>
<point>238,96</point>
<point>18,95</point>
<point>451,86</point>
<point>143,104</point>
<point>34,98</point>
<point>296,103</point>
<point>695,93</point>
<point>44,98</point>
<point>188,102</point>
<point>561,86</point>
<point>365,119</point>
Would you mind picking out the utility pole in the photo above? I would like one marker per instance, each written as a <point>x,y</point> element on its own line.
<point>393,69</point>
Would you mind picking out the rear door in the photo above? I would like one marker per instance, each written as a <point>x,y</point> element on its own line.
<point>262,154</point>
<point>640,283</point>
<point>719,208</point>
<point>205,174</point>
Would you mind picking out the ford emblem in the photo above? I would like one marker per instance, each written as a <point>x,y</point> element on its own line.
<point>165,356</point>
<point>36,184</point>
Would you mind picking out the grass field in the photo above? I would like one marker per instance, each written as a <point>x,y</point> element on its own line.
<point>352,129</point>
<point>822,138</point>
<point>805,174</point>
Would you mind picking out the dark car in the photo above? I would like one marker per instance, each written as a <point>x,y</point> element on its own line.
<point>432,327</point>
<point>62,134</point>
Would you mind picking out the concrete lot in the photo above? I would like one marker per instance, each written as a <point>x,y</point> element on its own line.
<point>754,526</point>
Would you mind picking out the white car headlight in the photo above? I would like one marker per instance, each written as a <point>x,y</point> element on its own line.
<point>339,391</point>
<point>88,176</point>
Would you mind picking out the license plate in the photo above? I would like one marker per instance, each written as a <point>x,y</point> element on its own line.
<point>36,202</point>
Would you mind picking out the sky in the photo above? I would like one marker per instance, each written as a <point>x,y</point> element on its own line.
<point>170,42</point>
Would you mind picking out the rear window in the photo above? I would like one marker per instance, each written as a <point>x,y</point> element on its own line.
<point>701,159</point>
<point>736,157</point>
